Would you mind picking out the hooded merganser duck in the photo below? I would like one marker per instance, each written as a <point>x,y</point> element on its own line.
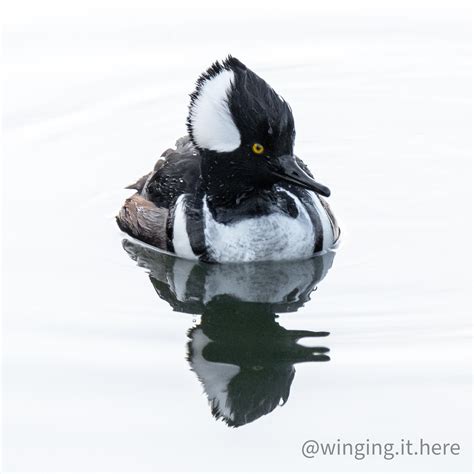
<point>232,190</point>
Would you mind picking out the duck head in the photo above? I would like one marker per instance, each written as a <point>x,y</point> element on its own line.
<point>245,131</point>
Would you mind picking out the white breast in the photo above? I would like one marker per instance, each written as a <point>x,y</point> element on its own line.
<point>273,237</point>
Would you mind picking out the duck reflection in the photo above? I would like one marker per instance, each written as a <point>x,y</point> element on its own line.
<point>241,355</point>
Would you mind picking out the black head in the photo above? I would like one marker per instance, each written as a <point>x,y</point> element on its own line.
<point>244,129</point>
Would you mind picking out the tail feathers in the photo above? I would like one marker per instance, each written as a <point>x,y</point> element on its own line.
<point>139,184</point>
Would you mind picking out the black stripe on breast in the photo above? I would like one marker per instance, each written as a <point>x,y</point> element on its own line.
<point>169,229</point>
<point>308,203</point>
<point>336,231</point>
<point>195,224</point>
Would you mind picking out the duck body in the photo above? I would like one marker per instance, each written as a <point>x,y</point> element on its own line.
<point>236,195</point>
<point>172,211</point>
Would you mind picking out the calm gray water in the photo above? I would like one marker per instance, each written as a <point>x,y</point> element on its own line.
<point>110,365</point>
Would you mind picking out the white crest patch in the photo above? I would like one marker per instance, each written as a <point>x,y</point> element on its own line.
<point>210,118</point>
<point>215,376</point>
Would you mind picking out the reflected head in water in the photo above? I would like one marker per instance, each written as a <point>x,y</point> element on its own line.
<point>242,356</point>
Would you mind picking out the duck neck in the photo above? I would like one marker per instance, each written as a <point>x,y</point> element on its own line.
<point>226,184</point>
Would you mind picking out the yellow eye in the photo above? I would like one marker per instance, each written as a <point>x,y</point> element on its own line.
<point>257,148</point>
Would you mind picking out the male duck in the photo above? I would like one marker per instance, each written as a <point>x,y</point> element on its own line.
<point>232,191</point>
